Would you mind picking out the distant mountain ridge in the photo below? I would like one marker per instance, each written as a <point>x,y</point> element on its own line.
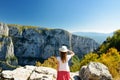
<point>98,37</point>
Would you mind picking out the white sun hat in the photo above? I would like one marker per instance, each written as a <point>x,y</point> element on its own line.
<point>63,49</point>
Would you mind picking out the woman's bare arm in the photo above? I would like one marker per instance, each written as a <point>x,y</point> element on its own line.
<point>71,53</point>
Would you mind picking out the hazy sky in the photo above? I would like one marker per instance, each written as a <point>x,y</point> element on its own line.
<point>72,15</point>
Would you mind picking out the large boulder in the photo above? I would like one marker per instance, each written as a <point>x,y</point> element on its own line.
<point>95,71</point>
<point>33,73</point>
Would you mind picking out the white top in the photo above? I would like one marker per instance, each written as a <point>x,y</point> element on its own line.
<point>64,66</point>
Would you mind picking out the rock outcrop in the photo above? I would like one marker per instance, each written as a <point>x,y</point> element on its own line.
<point>26,44</point>
<point>33,73</point>
<point>95,71</point>
<point>4,30</point>
<point>7,56</point>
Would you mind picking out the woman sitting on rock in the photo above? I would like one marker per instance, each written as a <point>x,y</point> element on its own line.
<point>63,71</point>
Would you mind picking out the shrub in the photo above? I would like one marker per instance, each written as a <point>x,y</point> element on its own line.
<point>88,58</point>
<point>112,60</point>
<point>75,64</point>
<point>38,64</point>
<point>50,62</point>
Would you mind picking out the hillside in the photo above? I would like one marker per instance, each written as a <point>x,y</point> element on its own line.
<point>28,45</point>
<point>98,37</point>
<point>108,53</point>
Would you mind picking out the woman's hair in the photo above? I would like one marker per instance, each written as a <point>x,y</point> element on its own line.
<point>63,56</point>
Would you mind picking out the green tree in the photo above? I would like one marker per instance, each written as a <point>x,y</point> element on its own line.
<point>75,63</point>
<point>112,60</point>
<point>111,42</point>
<point>88,58</point>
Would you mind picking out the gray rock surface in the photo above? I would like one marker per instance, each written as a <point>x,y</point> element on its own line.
<point>7,57</point>
<point>95,71</point>
<point>33,44</point>
<point>4,30</point>
<point>33,73</point>
<point>29,44</point>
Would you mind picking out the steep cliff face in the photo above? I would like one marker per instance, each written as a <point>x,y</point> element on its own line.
<point>82,45</point>
<point>31,43</point>
<point>6,45</point>
<point>6,48</point>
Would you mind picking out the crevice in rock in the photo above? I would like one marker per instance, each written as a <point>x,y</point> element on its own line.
<point>31,74</point>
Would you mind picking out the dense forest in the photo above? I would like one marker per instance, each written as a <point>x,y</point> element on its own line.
<point>108,53</point>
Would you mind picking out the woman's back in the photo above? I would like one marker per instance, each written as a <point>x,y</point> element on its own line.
<point>64,66</point>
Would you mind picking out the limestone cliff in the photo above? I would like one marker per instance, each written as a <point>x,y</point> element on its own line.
<point>7,56</point>
<point>33,43</point>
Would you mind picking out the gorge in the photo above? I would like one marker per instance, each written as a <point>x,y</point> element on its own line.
<point>24,45</point>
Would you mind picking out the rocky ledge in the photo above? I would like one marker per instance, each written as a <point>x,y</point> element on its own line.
<point>92,71</point>
<point>33,73</point>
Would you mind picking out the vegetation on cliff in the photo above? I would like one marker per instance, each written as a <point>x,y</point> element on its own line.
<point>108,53</point>
<point>22,27</point>
<point>111,42</point>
